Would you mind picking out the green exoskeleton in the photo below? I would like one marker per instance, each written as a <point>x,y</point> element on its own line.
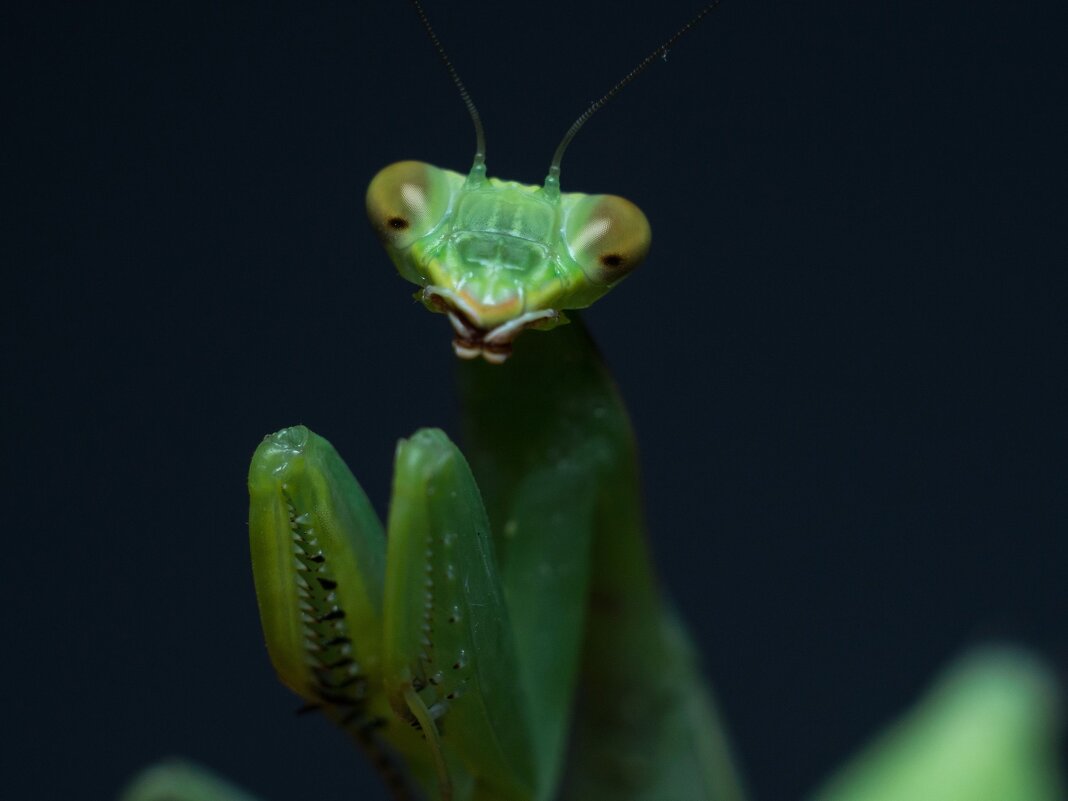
<point>497,256</point>
<point>453,646</point>
<point>503,637</point>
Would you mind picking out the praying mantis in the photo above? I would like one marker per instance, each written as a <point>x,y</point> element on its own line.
<point>457,649</point>
<point>503,636</point>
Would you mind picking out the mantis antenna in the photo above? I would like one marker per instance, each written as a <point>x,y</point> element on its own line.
<point>480,136</point>
<point>552,182</point>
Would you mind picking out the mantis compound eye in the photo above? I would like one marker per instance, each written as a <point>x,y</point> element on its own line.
<point>608,237</point>
<point>406,201</point>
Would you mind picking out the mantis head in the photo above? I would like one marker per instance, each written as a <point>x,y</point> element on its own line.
<point>497,256</point>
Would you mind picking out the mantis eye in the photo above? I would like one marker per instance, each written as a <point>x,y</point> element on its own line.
<point>608,237</point>
<point>406,201</point>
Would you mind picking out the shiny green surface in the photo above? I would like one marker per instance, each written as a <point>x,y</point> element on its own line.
<point>549,425</point>
<point>448,634</point>
<point>318,560</point>
<point>407,647</point>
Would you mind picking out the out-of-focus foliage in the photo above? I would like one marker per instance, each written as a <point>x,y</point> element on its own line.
<point>985,732</point>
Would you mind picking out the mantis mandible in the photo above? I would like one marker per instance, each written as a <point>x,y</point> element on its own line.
<point>504,640</point>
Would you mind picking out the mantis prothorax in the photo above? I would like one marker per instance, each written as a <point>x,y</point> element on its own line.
<point>505,640</point>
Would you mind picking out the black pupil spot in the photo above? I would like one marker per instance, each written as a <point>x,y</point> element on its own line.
<point>612,260</point>
<point>397,223</point>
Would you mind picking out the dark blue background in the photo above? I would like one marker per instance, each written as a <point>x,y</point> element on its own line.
<point>844,358</point>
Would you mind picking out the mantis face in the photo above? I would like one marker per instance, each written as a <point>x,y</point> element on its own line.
<point>498,256</point>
